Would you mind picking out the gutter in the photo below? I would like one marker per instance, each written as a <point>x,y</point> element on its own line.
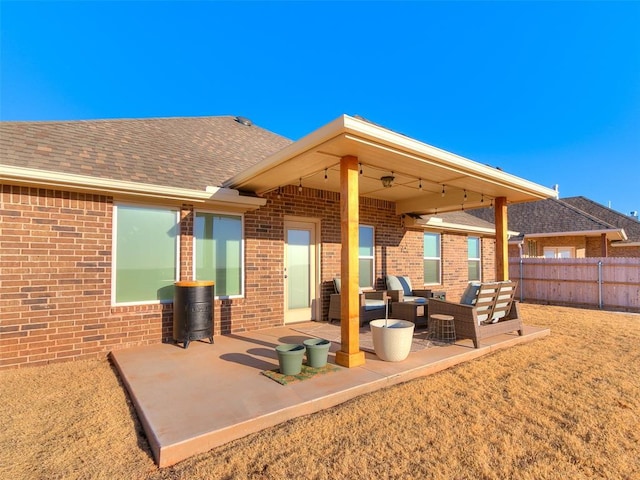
<point>610,232</point>
<point>435,223</point>
<point>214,196</point>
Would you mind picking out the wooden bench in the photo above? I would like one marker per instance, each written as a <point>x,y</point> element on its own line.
<point>492,311</point>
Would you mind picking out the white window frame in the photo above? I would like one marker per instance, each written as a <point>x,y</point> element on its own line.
<point>556,251</point>
<point>438,235</point>
<point>114,253</point>
<point>242,250</point>
<point>369,257</point>
<point>475,259</point>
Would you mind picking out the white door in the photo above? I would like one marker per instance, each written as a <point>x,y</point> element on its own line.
<point>300,277</point>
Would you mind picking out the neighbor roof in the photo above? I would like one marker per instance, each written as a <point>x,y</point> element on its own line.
<point>552,216</point>
<point>631,225</point>
<point>185,152</point>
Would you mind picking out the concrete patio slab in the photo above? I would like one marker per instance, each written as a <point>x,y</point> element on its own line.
<point>190,401</point>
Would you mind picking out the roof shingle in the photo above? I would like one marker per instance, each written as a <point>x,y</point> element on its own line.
<point>187,152</point>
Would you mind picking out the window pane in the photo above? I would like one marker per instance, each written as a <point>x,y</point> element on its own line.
<point>432,245</point>
<point>431,271</point>
<point>366,273</point>
<point>365,242</point>
<point>474,270</point>
<point>473,245</point>
<point>298,264</point>
<point>219,252</point>
<point>146,254</point>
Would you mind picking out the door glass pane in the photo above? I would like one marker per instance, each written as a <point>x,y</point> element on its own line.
<point>298,268</point>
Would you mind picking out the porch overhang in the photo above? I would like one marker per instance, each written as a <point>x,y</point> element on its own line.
<point>314,161</point>
<point>350,156</point>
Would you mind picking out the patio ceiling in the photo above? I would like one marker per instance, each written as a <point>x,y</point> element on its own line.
<point>314,161</point>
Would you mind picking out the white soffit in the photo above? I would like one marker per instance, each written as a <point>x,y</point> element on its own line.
<point>383,152</point>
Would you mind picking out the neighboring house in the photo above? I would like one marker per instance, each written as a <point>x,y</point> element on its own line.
<point>98,219</point>
<point>573,227</point>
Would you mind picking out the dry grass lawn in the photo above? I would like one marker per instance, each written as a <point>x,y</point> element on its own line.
<point>566,406</point>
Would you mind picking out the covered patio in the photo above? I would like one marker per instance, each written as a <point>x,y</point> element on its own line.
<point>192,400</point>
<point>358,158</point>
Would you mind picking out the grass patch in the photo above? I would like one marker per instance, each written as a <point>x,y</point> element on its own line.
<point>566,406</point>
<point>305,374</point>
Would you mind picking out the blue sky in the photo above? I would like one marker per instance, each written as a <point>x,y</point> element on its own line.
<point>549,91</point>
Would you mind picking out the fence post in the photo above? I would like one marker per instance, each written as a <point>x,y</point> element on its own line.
<point>521,282</point>
<point>600,284</point>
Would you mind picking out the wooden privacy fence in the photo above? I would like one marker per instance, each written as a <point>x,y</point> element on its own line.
<point>609,283</point>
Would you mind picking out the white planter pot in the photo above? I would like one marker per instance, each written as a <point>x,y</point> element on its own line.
<point>392,343</point>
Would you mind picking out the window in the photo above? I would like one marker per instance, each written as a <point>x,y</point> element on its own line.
<point>218,252</point>
<point>366,258</point>
<point>473,258</point>
<point>146,254</point>
<point>559,252</point>
<point>432,258</point>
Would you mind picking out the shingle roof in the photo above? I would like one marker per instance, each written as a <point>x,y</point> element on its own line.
<point>546,216</point>
<point>631,225</point>
<point>187,152</point>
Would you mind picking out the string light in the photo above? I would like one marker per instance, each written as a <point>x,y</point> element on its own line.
<point>420,186</point>
<point>326,177</point>
<point>300,185</point>
<point>360,168</point>
<point>482,198</point>
<point>443,190</point>
<point>465,195</point>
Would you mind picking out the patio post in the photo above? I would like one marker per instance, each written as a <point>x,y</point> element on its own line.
<point>349,354</point>
<point>502,246</point>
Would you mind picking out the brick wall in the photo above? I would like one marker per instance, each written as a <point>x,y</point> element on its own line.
<point>55,270</point>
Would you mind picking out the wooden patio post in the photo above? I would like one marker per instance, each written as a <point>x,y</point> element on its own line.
<point>502,246</point>
<point>349,354</point>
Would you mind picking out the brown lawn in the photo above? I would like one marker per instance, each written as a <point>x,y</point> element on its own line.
<point>566,406</point>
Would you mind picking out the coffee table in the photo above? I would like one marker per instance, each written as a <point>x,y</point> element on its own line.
<point>415,312</point>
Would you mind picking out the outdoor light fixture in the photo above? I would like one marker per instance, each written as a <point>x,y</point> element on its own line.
<point>387,181</point>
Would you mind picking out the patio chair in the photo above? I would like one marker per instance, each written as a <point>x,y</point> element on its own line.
<point>399,289</point>
<point>372,304</point>
<point>486,310</point>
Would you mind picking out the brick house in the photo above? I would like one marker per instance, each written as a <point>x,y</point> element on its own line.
<point>98,219</point>
<point>574,227</point>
